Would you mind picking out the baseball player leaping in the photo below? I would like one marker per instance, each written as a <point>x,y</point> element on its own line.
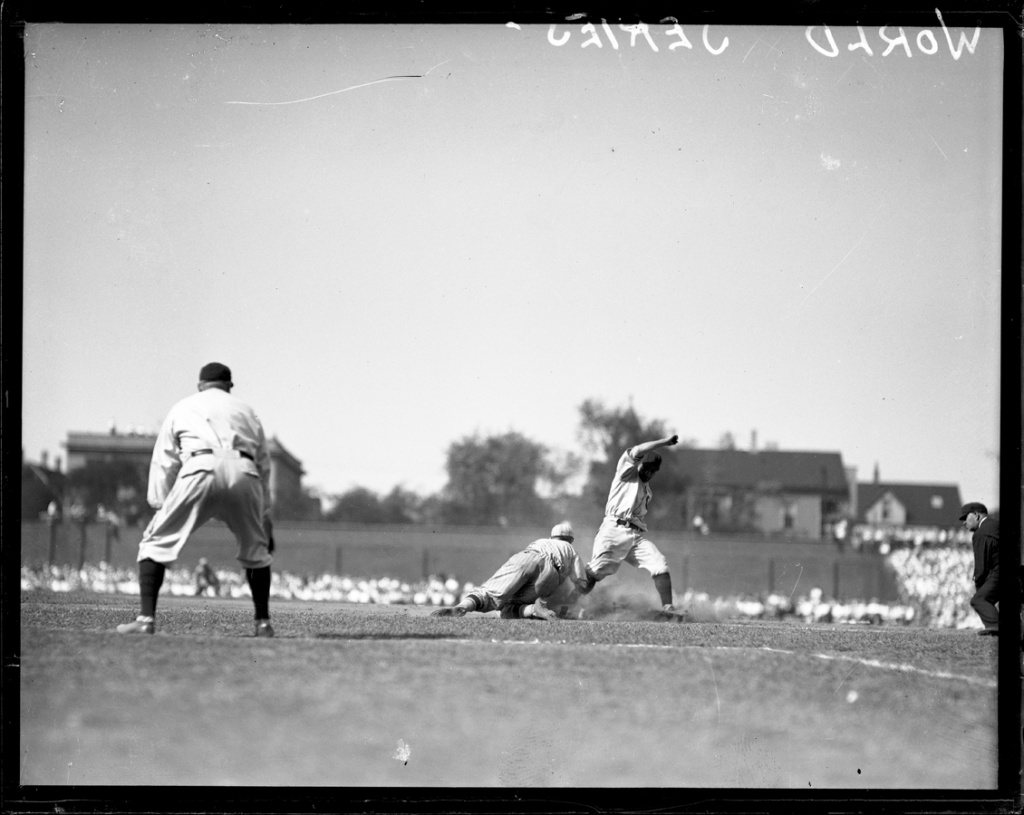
<point>547,569</point>
<point>623,533</point>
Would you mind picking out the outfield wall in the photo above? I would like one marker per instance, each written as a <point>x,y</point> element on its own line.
<point>717,565</point>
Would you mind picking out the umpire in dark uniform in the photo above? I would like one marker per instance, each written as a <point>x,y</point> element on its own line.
<point>985,540</point>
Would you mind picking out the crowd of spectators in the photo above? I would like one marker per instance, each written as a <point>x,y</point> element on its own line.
<point>437,590</point>
<point>886,539</point>
<point>937,580</point>
<point>934,584</point>
<point>811,608</point>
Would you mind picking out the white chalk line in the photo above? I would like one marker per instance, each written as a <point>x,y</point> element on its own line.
<point>868,663</point>
<point>893,666</point>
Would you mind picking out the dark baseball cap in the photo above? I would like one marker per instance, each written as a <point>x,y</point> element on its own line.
<point>215,372</point>
<point>973,506</point>
<point>653,462</point>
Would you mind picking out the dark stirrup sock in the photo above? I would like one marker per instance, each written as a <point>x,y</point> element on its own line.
<point>151,578</point>
<point>259,584</point>
<point>663,583</point>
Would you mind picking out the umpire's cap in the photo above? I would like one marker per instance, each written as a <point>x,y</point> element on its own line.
<point>563,530</point>
<point>973,506</point>
<point>215,372</point>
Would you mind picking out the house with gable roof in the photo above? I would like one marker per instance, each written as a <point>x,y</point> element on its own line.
<point>887,510</point>
<point>787,493</point>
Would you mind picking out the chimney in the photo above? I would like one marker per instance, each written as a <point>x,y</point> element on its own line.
<point>851,483</point>
<point>753,441</point>
<point>56,463</point>
<point>876,472</point>
<point>43,457</point>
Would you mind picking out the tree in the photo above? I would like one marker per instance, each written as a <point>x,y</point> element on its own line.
<point>357,505</point>
<point>362,505</point>
<point>494,480</point>
<point>401,506</point>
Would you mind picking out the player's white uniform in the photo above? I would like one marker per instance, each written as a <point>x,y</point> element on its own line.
<point>210,461</point>
<point>538,572</point>
<point>622,535</point>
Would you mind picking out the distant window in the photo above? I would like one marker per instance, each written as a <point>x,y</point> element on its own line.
<point>936,502</point>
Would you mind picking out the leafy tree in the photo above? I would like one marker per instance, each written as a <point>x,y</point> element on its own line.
<point>362,505</point>
<point>494,480</point>
<point>358,505</point>
<point>401,506</point>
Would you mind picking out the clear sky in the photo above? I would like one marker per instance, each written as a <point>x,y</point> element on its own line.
<point>422,232</point>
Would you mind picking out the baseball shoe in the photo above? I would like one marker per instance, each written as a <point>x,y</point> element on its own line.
<point>989,632</point>
<point>263,629</point>
<point>141,625</point>
<point>453,611</point>
<point>669,612</point>
<point>540,611</point>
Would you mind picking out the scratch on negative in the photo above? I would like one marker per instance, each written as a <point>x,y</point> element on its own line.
<point>797,583</point>
<point>844,679</point>
<point>840,263</point>
<point>332,93</point>
<point>437,66</point>
<point>714,681</point>
<point>930,136</point>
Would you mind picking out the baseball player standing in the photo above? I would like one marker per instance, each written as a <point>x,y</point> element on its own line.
<point>527,580</point>
<point>210,461</point>
<point>622,535</point>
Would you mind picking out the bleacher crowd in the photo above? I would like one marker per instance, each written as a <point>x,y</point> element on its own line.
<point>938,580</point>
<point>935,589</point>
<point>434,591</point>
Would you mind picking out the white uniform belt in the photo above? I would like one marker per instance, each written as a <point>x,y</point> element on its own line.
<point>219,452</point>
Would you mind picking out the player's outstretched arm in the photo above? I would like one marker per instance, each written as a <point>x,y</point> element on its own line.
<point>648,446</point>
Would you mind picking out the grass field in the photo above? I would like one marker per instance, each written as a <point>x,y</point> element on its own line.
<point>385,696</point>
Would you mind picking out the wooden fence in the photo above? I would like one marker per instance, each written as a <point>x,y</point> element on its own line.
<point>720,566</point>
